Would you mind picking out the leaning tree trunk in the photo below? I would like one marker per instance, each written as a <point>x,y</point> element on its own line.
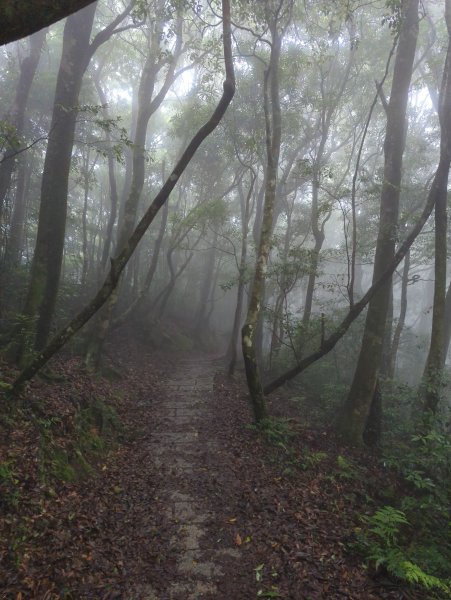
<point>273,141</point>
<point>354,414</point>
<point>120,261</point>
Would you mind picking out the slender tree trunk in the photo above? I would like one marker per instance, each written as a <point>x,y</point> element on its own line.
<point>318,234</point>
<point>432,383</point>
<point>111,179</point>
<point>355,411</point>
<point>15,244</point>
<point>200,328</point>
<point>47,260</point>
<point>245,215</point>
<point>134,306</point>
<point>174,275</point>
<point>273,141</point>
<point>277,325</point>
<point>84,220</point>
<point>402,317</point>
<point>447,326</point>
<point>16,116</point>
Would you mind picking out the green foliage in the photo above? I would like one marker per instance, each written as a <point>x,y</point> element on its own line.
<point>8,135</point>
<point>9,494</point>
<point>69,460</point>
<point>381,546</point>
<point>385,524</point>
<point>277,431</point>
<point>310,459</point>
<point>346,468</point>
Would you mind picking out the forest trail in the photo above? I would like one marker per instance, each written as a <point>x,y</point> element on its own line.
<point>193,504</point>
<point>180,446</point>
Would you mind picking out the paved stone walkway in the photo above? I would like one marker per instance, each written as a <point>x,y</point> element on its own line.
<point>180,444</point>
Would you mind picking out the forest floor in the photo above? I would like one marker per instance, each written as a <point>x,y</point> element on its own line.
<point>173,495</point>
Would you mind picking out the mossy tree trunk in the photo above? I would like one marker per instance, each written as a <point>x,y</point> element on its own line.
<point>273,122</point>
<point>354,414</point>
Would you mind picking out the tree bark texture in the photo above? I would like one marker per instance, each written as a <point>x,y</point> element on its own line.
<point>355,411</point>
<point>273,141</point>
<point>432,383</point>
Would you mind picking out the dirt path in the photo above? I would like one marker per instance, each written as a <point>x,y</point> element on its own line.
<point>194,504</point>
<point>180,446</point>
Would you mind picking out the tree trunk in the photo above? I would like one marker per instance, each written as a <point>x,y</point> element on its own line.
<point>200,325</point>
<point>14,247</point>
<point>47,260</point>
<point>355,411</point>
<point>273,140</point>
<point>49,250</point>
<point>447,326</point>
<point>111,178</point>
<point>16,117</point>
<point>245,215</point>
<point>402,317</point>
<point>432,384</point>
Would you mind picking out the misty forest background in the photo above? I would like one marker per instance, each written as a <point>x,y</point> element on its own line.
<point>305,241</point>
